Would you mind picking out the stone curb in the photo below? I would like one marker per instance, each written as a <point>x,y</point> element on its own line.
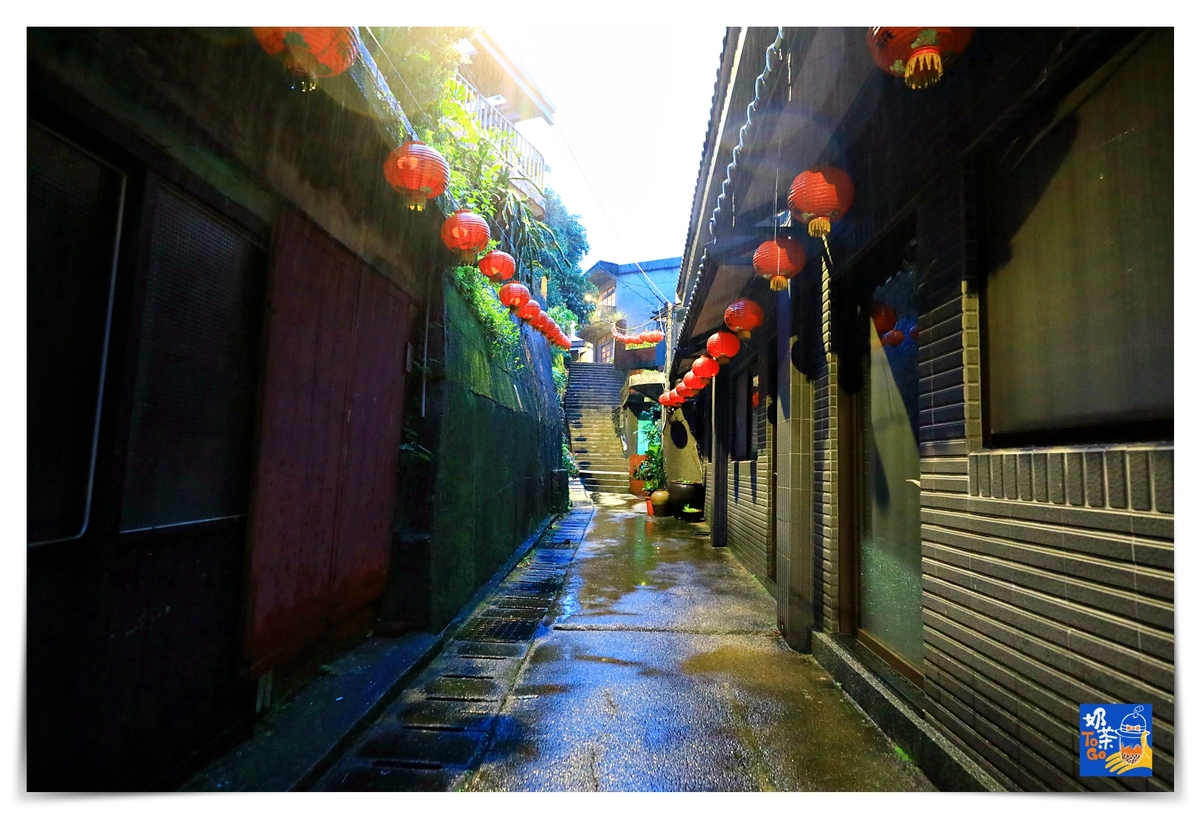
<point>946,766</point>
<point>321,727</point>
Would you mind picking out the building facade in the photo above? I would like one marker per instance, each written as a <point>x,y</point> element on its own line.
<point>631,298</point>
<point>949,448</point>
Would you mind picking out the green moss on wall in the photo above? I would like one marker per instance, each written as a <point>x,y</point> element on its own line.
<point>501,438</point>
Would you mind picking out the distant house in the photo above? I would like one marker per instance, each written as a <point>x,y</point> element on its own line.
<point>632,297</point>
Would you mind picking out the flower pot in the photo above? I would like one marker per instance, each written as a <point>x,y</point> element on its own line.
<point>637,487</point>
<point>686,494</point>
<point>691,516</point>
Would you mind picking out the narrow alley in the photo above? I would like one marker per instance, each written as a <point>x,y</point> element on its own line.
<point>392,426</point>
<point>656,668</point>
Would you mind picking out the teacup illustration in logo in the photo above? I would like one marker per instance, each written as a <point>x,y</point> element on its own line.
<point>1133,726</point>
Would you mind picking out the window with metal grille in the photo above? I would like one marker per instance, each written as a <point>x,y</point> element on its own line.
<point>194,391</point>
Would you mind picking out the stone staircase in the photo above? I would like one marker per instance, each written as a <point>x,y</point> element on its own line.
<point>593,392</point>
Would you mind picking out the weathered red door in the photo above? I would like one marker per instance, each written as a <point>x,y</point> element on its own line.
<point>325,478</point>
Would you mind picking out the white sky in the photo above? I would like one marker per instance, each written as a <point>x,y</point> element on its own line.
<point>633,105</point>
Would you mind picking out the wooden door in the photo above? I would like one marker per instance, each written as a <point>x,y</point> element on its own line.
<point>325,479</point>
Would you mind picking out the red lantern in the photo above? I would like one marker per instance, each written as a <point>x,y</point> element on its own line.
<point>723,346</point>
<point>646,337</point>
<point>694,382</point>
<point>917,54</point>
<point>497,266</point>
<point>705,367</point>
<point>465,233</point>
<point>540,322</point>
<point>893,337</point>
<point>418,172</point>
<point>529,310</point>
<point>656,336</point>
<point>883,316</point>
<point>779,259</point>
<point>514,295</point>
<point>912,333</point>
<point>311,53</point>
<point>684,391</point>
<point>820,197</point>
<point>742,316</point>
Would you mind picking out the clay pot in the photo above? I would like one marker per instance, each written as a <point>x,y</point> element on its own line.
<point>660,500</point>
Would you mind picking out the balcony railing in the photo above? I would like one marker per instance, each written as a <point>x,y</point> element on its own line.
<point>527,163</point>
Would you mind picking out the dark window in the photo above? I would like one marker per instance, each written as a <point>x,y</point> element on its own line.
<point>194,393</point>
<point>747,415</point>
<point>74,206</point>
<point>1078,224</point>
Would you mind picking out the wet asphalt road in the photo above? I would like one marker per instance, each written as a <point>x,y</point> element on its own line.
<point>657,668</point>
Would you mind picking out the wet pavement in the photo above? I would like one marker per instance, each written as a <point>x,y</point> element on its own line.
<point>653,664</point>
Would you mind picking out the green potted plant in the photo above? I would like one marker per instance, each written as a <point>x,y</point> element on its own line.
<point>653,474</point>
<point>691,515</point>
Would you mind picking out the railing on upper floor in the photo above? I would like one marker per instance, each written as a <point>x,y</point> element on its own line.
<point>526,161</point>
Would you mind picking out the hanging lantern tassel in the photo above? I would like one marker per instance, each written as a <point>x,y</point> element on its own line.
<point>917,53</point>
<point>924,68</point>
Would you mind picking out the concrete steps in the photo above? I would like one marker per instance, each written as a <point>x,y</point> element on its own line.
<point>593,391</point>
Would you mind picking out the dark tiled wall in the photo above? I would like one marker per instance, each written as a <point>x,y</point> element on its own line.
<point>1048,572</point>
<point>751,507</point>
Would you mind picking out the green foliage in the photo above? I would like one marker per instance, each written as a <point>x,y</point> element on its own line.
<point>417,61</point>
<point>499,328</point>
<point>567,285</point>
<point>653,470</point>
<point>563,316</point>
<point>411,448</point>
<point>560,380</point>
<point>568,460</point>
<point>420,65</point>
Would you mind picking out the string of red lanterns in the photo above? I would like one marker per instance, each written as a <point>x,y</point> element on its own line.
<point>653,336</point>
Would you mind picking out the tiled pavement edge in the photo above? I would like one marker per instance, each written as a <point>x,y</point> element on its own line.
<point>430,737</point>
<point>295,745</point>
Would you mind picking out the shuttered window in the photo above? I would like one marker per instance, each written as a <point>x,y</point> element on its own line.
<point>1078,300</point>
<point>195,388</point>
<point>74,205</point>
